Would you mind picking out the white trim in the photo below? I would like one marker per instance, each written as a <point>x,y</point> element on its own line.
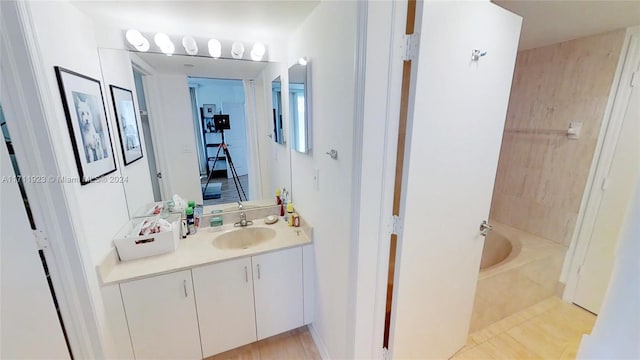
<point>382,95</point>
<point>153,108</point>
<point>30,98</point>
<point>605,149</point>
<point>320,345</point>
<point>356,163</point>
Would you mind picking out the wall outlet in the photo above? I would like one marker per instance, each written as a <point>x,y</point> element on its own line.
<point>316,179</point>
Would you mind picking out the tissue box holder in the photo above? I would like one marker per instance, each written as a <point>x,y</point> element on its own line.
<point>135,247</point>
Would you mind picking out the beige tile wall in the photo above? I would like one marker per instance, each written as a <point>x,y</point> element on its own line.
<point>541,177</point>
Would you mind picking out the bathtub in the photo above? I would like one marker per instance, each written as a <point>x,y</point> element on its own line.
<point>517,270</point>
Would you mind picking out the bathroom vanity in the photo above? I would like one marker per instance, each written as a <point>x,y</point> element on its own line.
<point>218,291</point>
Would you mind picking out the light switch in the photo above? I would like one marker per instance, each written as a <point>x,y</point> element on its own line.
<point>316,179</point>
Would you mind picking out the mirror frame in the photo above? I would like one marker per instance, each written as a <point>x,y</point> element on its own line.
<point>307,113</point>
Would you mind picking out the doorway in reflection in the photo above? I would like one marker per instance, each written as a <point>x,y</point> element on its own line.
<point>223,174</point>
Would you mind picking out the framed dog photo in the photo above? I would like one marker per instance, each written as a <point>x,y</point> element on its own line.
<point>87,123</point>
<point>127,124</point>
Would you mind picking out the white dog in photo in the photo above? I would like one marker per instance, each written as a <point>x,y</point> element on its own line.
<point>90,137</point>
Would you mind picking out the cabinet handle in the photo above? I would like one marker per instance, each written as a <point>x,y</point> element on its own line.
<point>184,285</point>
<point>258,271</point>
<point>246,275</point>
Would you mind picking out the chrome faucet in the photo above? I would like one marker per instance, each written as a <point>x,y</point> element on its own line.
<point>243,218</point>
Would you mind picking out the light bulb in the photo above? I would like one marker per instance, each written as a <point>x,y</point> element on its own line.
<point>302,61</point>
<point>137,40</point>
<point>164,43</point>
<point>215,48</point>
<point>190,45</point>
<point>237,50</point>
<point>257,52</point>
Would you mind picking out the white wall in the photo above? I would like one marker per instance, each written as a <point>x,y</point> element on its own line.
<point>617,329</point>
<point>217,91</point>
<point>170,106</point>
<point>64,37</point>
<point>71,45</point>
<point>327,38</point>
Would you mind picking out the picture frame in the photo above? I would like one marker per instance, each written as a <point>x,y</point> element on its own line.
<point>87,123</point>
<point>127,122</point>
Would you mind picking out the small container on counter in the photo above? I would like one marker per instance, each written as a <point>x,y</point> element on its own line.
<point>191,228</point>
<point>296,219</point>
<point>289,217</point>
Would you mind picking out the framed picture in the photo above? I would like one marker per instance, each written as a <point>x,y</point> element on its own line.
<point>127,124</point>
<point>87,123</point>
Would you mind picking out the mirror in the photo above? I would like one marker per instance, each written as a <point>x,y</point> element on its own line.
<point>276,99</point>
<point>300,106</point>
<point>184,96</point>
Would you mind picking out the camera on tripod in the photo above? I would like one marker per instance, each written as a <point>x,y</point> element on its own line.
<point>221,122</point>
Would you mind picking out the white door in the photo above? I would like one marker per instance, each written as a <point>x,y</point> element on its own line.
<point>459,109</point>
<point>30,327</point>
<point>161,314</point>
<point>277,283</point>
<point>236,138</point>
<point>224,298</point>
<point>595,272</point>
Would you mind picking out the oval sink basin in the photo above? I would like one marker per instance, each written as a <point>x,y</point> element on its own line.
<point>244,238</point>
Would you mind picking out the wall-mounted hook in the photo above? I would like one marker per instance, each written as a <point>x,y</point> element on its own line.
<point>333,154</point>
<point>477,54</point>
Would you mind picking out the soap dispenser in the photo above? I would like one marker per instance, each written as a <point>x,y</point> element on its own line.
<point>290,214</point>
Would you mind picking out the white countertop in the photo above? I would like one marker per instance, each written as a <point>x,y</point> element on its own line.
<point>197,250</point>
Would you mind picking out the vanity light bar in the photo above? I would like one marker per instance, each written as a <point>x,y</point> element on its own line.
<point>191,46</point>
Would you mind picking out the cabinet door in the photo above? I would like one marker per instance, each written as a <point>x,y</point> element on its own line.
<point>277,284</point>
<point>224,297</point>
<point>161,314</point>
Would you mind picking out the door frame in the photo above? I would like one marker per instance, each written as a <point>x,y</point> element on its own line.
<point>379,63</point>
<point>151,98</point>
<point>30,98</point>
<point>619,97</point>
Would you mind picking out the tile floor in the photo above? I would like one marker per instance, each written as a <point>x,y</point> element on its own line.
<point>550,329</point>
<point>294,344</point>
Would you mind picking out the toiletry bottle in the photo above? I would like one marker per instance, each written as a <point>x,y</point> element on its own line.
<point>190,221</point>
<point>184,230</point>
<point>283,206</point>
<point>290,214</point>
<point>296,219</point>
<point>279,201</point>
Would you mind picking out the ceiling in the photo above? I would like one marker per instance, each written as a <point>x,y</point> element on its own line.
<point>238,19</point>
<point>545,22</point>
<point>550,22</point>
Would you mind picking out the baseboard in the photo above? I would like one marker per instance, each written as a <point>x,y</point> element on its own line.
<point>322,348</point>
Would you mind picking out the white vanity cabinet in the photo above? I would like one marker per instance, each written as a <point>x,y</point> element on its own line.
<point>224,297</point>
<point>161,314</point>
<point>278,291</point>
<point>248,299</point>
<point>207,310</point>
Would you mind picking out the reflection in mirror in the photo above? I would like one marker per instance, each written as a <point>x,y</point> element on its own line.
<point>300,106</point>
<point>276,98</point>
<point>184,95</point>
